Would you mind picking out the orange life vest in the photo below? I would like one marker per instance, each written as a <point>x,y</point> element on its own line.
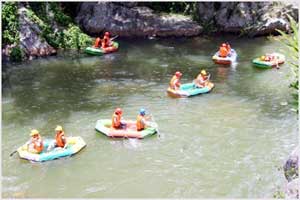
<point>223,52</point>
<point>116,121</point>
<point>60,141</point>
<point>38,144</point>
<point>97,42</point>
<point>174,83</point>
<point>139,123</point>
<point>105,42</point>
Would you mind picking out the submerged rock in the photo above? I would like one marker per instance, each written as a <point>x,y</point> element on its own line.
<point>291,168</point>
<point>129,21</point>
<point>291,172</point>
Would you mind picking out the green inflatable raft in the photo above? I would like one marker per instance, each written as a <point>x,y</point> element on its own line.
<point>101,51</point>
<point>278,59</point>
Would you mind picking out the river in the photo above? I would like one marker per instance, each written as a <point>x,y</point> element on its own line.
<point>231,142</point>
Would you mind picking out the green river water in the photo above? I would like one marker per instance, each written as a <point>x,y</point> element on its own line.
<point>231,142</point>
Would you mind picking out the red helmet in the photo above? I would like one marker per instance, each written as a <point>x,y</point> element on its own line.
<point>106,33</point>
<point>224,45</point>
<point>118,111</point>
<point>178,74</point>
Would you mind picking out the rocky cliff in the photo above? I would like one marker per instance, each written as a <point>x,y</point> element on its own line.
<point>130,20</point>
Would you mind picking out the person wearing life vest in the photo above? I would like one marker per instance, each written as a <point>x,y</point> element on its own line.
<point>106,40</point>
<point>228,48</point>
<point>97,42</point>
<point>223,52</point>
<point>141,120</point>
<point>202,79</point>
<point>175,81</point>
<point>116,119</point>
<point>35,144</point>
<point>60,139</point>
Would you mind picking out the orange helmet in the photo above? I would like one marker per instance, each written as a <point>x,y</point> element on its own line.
<point>178,74</point>
<point>118,111</point>
<point>106,33</point>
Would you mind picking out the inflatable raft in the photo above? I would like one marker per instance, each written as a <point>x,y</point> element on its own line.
<point>101,51</point>
<point>75,144</point>
<point>279,59</point>
<point>231,58</point>
<point>104,126</point>
<point>189,89</point>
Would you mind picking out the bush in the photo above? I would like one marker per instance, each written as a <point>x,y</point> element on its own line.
<point>10,23</point>
<point>16,54</point>
<point>74,38</point>
<point>291,43</point>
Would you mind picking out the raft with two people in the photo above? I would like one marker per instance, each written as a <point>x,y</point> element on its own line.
<point>225,56</point>
<point>103,46</point>
<point>100,51</point>
<point>74,145</point>
<point>228,60</point>
<point>178,90</point>
<point>104,126</point>
<point>269,61</point>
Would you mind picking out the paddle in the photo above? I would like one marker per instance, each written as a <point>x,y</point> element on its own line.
<point>13,153</point>
<point>154,125</point>
<point>114,38</point>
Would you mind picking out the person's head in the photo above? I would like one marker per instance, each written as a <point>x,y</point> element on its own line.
<point>203,72</point>
<point>223,45</point>
<point>178,74</point>
<point>34,133</point>
<point>58,129</point>
<point>106,33</point>
<point>263,57</point>
<point>118,111</point>
<point>142,111</point>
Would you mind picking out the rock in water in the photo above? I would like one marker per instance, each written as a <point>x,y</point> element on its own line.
<point>291,169</point>
<point>131,21</point>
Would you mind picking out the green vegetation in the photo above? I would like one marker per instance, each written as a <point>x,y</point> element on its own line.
<point>16,54</point>
<point>291,43</point>
<point>10,23</point>
<point>57,28</point>
<point>73,38</point>
<point>67,35</point>
<point>186,8</point>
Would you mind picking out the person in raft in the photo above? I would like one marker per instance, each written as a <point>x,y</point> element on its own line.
<point>60,139</point>
<point>106,42</point>
<point>117,119</point>
<point>228,48</point>
<point>35,144</point>
<point>97,42</point>
<point>202,79</point>
<point>175,81</point>
<point>223,51</point>
<point>141,120</point>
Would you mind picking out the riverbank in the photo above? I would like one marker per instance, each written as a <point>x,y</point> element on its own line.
<point>39,29</point>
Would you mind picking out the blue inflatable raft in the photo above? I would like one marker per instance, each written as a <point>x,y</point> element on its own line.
<point>189,89</point>
<point>74,145</point>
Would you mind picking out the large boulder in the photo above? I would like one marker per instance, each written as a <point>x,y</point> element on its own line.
<point>252,18</point>
<point>30,37</point>
<point>129,20</point>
